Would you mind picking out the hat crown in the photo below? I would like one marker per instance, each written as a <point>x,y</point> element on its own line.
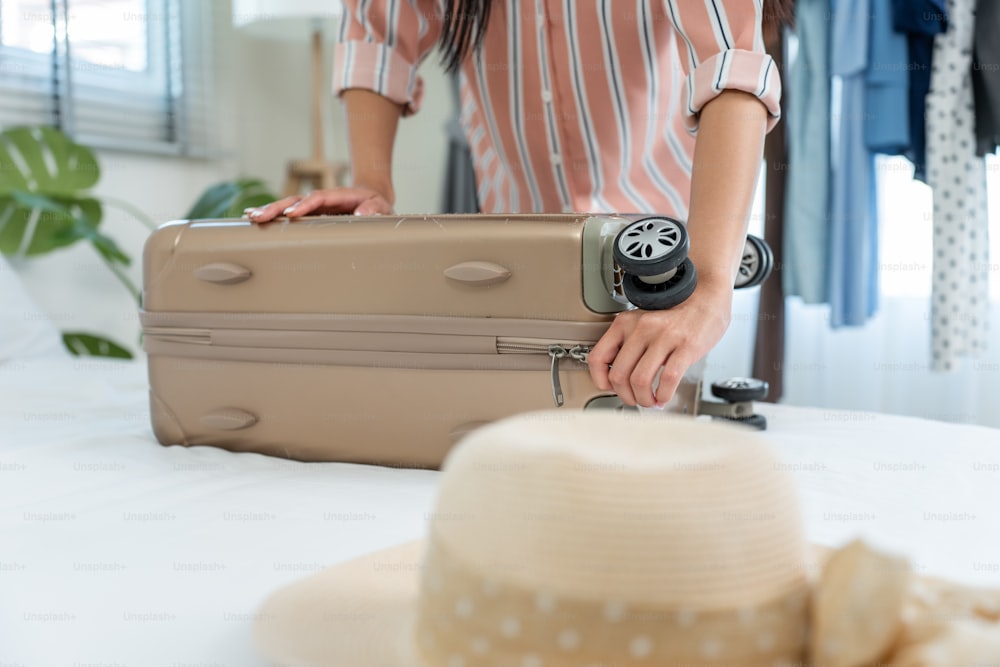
<point>680,514</point>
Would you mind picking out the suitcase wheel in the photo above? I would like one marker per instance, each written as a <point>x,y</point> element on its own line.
<point>661,295</point>
<point>756,263</point>
<point>758,422</point>
<point>651,247</point>
<point>735,390</point>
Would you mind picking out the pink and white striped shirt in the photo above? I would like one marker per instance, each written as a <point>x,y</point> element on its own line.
<point>571,105</point>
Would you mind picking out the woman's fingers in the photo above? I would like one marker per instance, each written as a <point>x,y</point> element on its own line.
<point>613,360</point>
<point>677,365</point>
<point>643,352</point>
<point>361,201</point>
<point>604,352</point>
<point>270,211</point>
<point>647,370</point>
<point>329,202</point>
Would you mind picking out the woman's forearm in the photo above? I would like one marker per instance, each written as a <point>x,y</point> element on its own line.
<point>371,124</point>
<point>727,161</point>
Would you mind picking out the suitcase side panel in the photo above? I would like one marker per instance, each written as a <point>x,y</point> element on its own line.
<point>387,266</point>
<point>388,416</point>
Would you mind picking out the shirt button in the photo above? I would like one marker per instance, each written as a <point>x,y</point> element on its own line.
<point>547,95</point>
<point>555,158</point>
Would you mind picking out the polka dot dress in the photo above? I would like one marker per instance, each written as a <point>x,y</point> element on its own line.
<point>958,178</point>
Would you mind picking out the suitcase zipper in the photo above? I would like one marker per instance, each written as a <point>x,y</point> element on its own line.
<point>254,343</point>
<point>555,352</point>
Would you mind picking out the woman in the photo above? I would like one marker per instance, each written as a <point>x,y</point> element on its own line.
<point>570,105</point>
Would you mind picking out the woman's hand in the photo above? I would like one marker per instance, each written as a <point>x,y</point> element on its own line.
<point>639,343</point>
<point>337,201</point>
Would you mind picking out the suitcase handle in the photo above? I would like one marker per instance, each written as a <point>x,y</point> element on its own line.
<point>228,419</point>
<point>222,273</point>
<point>480,274</point>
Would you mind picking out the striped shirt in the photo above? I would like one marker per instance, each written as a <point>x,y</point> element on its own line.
<point>571,105</point>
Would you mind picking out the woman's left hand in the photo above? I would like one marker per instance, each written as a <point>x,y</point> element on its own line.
<point>639,342</point>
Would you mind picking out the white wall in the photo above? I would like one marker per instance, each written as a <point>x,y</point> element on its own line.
<point>262,108</point>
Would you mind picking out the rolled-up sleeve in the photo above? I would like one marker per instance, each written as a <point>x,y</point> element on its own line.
<point>381,45</point>
<point>722,48</point>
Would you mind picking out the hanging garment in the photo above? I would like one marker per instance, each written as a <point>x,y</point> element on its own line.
<point>460,175</point>
<point>920,20</point>
<point>887,118</point>
<point>853,260</point>
<point>958,177</point>
<point>986,76</point>
<point>807,121</point>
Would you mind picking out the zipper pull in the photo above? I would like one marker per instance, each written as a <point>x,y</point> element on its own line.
<point>557,352</point>
<point>580,353</point>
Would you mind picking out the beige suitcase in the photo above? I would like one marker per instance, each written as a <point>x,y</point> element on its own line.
<point>376,340</point>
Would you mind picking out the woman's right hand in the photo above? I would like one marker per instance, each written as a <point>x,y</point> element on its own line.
<point>336,201</point>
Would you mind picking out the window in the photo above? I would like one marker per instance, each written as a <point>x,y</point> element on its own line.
<point>906,224</point>
<point>125,74</point>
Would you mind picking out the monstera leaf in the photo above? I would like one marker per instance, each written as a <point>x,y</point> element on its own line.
<point>44,199</point>
<point>89,345</point>
<point>45,204</point>
<point>229,198</point>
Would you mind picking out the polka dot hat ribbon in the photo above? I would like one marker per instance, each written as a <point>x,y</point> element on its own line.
<point>465,619</point>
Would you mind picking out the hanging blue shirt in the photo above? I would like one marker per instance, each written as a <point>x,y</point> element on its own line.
<point>920,20</point>
<point>853,259</point>
<point>807,190</point>
<point>887,118</point>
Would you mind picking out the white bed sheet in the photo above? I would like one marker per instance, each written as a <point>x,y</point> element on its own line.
<point>117,551</point>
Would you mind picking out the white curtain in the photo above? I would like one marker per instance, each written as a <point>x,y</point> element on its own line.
<point>883,366</point>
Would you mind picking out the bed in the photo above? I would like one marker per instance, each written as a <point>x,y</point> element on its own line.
<point>115,550</point>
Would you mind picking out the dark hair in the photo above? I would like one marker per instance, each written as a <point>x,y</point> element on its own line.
<point>465,24</point>
<point>463,30</point>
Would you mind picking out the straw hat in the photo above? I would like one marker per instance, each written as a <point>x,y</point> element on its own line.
<point>593,539</point>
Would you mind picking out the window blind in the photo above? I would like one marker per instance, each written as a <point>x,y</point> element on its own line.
<point>122,74</point>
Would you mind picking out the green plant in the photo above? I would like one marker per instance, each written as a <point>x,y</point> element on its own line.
<point>46,203</point>
<point>229,198</point>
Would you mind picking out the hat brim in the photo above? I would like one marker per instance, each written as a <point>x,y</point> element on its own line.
<point>359,613</point>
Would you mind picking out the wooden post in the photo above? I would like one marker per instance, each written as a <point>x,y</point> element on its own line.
<point>317,101</point>
<point>316,171</point>
<point>769,347</point>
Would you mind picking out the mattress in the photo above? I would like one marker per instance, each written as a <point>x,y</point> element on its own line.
<point>115,550</point>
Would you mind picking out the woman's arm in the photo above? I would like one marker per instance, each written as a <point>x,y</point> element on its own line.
<point>371,126</point>
<point>731,99</point>
<point>726,165</point>
<point>380,48</point>
<point>372,121</point>
<point>727,162</point>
